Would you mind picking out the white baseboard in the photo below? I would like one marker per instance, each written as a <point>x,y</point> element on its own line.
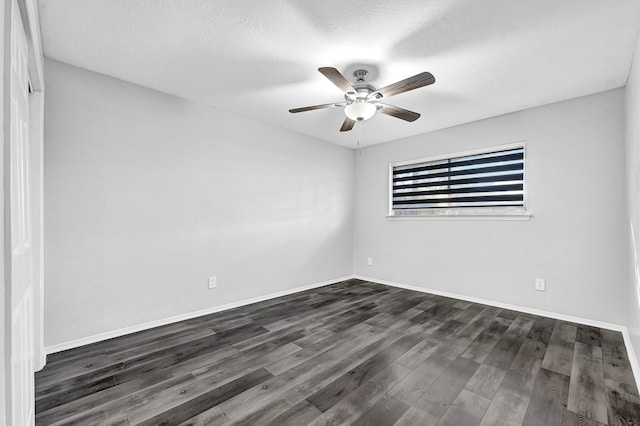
<point>165,321</point>
<point>631,353</point>
<point>40,361</point>
<point>608,326</point>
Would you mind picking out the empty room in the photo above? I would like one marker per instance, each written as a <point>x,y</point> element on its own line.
<point>287,212</point>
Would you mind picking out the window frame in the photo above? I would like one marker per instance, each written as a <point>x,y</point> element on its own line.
<point>464,213</point>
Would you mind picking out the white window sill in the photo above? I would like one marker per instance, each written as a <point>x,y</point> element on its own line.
<point>470,217</point>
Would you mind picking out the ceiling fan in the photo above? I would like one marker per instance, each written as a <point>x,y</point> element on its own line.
<point>362,99</point>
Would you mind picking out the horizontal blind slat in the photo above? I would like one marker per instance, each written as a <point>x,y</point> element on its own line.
<point>499,188</point>
<point>460,205</point>
<point>470,172</point>
<point>515,197</point>
<point>498,178</point>
<point>452,163</point>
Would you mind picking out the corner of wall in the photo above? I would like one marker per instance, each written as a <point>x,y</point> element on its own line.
<point>632,186</point>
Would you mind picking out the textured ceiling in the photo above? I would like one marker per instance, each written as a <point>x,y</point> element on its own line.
<point>258,58</point>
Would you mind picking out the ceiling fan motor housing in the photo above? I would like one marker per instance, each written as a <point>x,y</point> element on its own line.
<point>362,92</point>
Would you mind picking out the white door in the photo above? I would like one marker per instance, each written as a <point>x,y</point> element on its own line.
<point>21,382</point>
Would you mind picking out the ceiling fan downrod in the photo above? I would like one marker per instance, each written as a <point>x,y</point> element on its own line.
<point>360,75</point>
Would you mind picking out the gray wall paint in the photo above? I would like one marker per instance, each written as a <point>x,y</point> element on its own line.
<point>575,240</point>
<point>632,138</point>
<point>146,195</point>
<point>5,259</point>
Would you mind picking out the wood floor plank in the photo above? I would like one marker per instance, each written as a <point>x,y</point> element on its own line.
<point>203,401</point>
<point>113,400</point>
<point>588,335</point>
<point>355,404</point>
<point>509,405</point>
<point>353,352</point>
<point>302,413</point>
<point>439,396</point>
<point>233,367</point>
<point>262,415</point>
<point>442,312</point>
<point>537,340</point>
<point>481,318</point>
<point>47,402</point>
<point>422,351</point>
<point>211,417</point>
<point>148,362</point>
<point>502,354</point>
<point>508,314</point>
<point>548,404</point>
<point>313,349</point>
<point>623,408</point>
<point>469,313</point>
<point>270,336</point>
<point>483,344</point>
<point>132,396</point>
<point>413,417</point>
<point>413,386</point>
<point>424,305</point>
<point>559,354</point>
<point>486,381</point>
<point>128,341</point>
<point>101,417</point>
<point>586,390</point>
<point>328,396</point>
<point>580,420</point>
<point>385,412</point>
<point>467,409</point>
<point>267,352</point>
<point>117,364</point>
<point>615,360</point>
<point>344,367</point>
<point>291,378</point>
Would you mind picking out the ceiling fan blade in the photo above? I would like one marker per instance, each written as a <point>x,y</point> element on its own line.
<point>347,125</point>
<point>418,80</point>
<point>337,79</point>
<point>401,113</point>
<point>311,108</point>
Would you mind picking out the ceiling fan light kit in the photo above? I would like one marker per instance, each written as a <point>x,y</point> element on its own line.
<point>360,110</point>
<point>362,100</point>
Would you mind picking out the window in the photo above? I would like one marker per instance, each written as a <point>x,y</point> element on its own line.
<point>488,182</point>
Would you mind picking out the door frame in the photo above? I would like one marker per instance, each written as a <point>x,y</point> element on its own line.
<point>31,22</point>
<point>30,19</point>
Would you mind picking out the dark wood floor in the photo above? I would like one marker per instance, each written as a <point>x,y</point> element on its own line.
<point>349,353</point>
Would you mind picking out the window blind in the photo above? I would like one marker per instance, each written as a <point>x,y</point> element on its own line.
<point>489,180</point>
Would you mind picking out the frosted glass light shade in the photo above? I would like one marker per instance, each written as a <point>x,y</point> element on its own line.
<point>360,110</point>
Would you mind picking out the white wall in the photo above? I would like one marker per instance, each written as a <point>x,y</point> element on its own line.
<point>147,194</point>
<point>632,225</point>
<point>5,300</point>
<point>575,240</point>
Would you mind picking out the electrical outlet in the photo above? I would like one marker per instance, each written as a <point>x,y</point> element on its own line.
<point>369,261</point>
<point>213,282</point>
<point>540,284</point>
